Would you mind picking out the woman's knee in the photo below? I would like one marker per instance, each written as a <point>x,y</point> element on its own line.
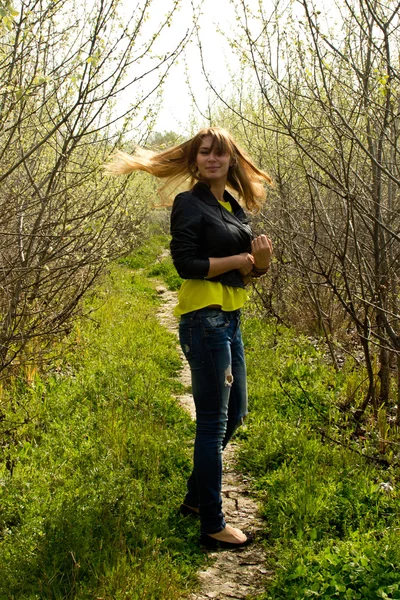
<point>213,429</point>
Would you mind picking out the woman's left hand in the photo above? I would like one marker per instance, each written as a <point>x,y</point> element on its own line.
<point>261,249</point>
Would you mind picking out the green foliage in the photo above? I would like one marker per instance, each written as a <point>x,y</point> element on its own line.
<point>7,15</point>
<point>166,270</point>
<point>89,510</point>
<point>154,261</point>
<point>148,253</point>
<point>160,141</point>
<point>331,516</point>
<point>362,568</point>
<point>89,490</point>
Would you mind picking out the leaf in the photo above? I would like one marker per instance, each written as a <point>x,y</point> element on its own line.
<point>39,79</point>
<point>315,586</point>
<point>340,587</point>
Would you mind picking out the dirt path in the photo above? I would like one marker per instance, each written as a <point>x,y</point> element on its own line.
<point>234,574</point>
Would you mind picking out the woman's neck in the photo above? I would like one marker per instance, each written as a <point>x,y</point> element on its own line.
<point>218,189</point>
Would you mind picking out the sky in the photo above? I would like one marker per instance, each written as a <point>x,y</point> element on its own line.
<point>219,60</point>
<point>176,107</point>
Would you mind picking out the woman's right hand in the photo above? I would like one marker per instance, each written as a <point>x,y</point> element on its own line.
<point>261,249</point>
<point>246,262</point>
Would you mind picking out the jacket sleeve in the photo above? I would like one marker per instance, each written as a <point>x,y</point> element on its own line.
<point>186,232</point>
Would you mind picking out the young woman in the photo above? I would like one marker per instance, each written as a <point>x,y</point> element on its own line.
<point>213,250</point>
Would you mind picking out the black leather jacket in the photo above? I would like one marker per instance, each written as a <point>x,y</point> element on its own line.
<point>202,228</point>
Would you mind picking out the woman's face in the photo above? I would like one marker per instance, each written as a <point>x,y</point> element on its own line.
<point>212,165</point>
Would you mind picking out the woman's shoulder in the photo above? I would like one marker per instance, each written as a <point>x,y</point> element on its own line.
<point>199,191</point>
<point>189,196</point>
<point>187,208</point>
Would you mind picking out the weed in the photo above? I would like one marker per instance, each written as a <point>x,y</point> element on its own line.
<point>331,516</point>
<point>90,509</point>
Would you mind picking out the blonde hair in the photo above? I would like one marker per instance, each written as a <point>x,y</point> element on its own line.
<point>177,165</point>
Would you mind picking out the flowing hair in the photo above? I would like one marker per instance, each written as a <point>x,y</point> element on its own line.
<point>177,166</point>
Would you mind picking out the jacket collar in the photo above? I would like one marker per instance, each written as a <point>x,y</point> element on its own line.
<point>202,191</point>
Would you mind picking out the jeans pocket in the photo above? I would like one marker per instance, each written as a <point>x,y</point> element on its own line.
<point>218,321</point>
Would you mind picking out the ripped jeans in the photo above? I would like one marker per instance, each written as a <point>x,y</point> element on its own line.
<point>212,343</point>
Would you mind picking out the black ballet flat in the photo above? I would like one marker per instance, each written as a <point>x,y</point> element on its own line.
<point>211,542</point>
<point>186,511</point>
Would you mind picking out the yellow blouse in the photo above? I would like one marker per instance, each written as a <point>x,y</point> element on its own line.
<point>198,293</point>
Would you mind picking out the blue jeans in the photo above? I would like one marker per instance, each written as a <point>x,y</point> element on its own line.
<point>212,343</point>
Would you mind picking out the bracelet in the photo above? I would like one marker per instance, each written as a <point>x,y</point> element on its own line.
<point>256,272</point>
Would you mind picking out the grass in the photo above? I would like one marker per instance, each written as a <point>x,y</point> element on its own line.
<point>153,263</point>
<point>331,513</point>
<point>332,516</point>
<point>91,478</point>
<point>89,508</point>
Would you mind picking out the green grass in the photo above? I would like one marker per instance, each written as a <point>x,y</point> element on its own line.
<point>331,528</point>
<point>96,456</point>
<point>90,509</point>
<point>148,253</point>
<point>150,259</point>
